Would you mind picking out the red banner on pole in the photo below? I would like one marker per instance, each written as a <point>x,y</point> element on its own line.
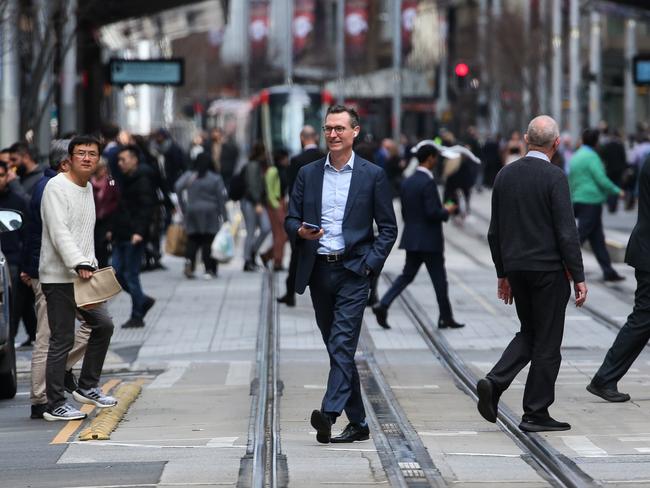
<point>303,24</point>
<point>258,29</point>
<point>356,25</point>
<point>409,13</point>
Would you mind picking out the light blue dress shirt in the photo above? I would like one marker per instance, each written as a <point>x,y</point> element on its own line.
<point>538,155</point>
<point>336,185</point>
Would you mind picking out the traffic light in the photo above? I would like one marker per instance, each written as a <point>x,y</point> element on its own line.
<point>462,71</point>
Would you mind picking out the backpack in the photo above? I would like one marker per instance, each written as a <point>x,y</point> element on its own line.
<point>237,188</point>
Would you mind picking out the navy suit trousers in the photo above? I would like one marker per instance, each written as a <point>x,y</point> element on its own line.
<point>435,263</point>
<point>339,298</point>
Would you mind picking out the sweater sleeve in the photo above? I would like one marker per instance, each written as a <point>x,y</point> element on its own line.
<point>597,170</point>
<point>493,236</point>
<point>54,218</point>
<point>566,231</point>
<point>273,192</point>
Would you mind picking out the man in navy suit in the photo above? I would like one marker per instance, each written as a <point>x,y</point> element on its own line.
<point>333,205</point>
<point>422,238</point>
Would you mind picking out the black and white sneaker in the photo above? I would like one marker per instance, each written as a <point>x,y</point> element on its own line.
<point>94,396</point>
<point>63,412</point>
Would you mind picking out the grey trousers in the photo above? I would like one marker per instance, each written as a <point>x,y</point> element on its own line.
<point>62,311</point>
<point>254,221</point>
<point>42,345</point>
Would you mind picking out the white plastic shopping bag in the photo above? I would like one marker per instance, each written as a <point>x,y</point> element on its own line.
<point>223,245</point>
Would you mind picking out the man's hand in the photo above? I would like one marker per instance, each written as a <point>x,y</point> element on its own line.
<point>136,239</point>
<point>25,278</point>
<point>581,293</point>
<point>259,208</point>
<point>621,194</point>
<point>109,236</point>
<point>503,291</point>
<point>310,234</point>
<point>85,274</point>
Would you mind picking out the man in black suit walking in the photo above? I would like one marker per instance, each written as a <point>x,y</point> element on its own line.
<point>422,238</point>
<point>534,244</point>
<point>333,205</point>
<point>310,152</point>
<point>635,334</point>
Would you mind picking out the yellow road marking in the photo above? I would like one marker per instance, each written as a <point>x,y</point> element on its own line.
<point>71,427</point>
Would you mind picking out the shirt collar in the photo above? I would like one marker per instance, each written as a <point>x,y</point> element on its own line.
<point>425,171</point>
<point>309,146</point>
<point>538,155</point>
<point>350,162</point>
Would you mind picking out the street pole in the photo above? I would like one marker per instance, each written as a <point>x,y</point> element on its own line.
<point>340,51</point>
<point>542,73</point>
<point>246,50</point>
<point>9,76</point>
<point>595,70</point>
<point>484,82</point>
<point>525,93</point>
<point>574,70</point>
<point>629,96</point>
<point>44,131</point>
<point>397,70</point>
<point>288,68</point>
<point>69,78</point>
<point>556,66</point>
<point>495,98</point>
<point>443,100</point>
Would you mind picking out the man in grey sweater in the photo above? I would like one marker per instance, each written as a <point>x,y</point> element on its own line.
<point>536,251</point>
<point>68,251</point>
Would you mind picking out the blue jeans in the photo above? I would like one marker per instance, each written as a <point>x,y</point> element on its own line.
<point>127,259</point>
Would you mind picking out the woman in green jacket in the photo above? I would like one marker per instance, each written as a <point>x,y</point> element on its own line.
<point>590,188</point>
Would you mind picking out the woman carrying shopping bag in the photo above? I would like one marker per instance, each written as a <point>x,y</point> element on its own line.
<point>202,196</point>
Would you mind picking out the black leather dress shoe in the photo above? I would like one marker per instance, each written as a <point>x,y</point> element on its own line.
<point>381,313</point>
<point>288,300</point>
<point>546,425</point>
<point>353,432</point>
<point>323,425</point>
<point>608,394</point>
<point>450,323</point>
<point>488,400</point>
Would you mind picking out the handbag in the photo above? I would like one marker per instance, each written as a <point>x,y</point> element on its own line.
<point>223,245</point>
<point>175,240</point>
<point>101,286</point>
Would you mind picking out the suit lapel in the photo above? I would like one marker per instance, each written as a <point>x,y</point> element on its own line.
<point>355,185</point>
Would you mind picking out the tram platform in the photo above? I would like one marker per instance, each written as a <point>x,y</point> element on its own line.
<point>198,359</point>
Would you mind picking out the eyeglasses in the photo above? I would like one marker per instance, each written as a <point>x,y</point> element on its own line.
<point>339,129</point>
<point>83,154</point>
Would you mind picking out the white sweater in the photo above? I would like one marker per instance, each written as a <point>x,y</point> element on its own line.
<point>68,213</point>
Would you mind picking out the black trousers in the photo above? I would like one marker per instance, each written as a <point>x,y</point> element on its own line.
<point>631,339</point>
<point>339,298</point>
<point>203,242</point>
<point>541,298</point>
<point>435,263</point>
<point>61,312</point>
<point>590,226</point>
<point>22,305</point>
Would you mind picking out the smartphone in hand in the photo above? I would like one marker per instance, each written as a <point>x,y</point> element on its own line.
<point>312,227</point>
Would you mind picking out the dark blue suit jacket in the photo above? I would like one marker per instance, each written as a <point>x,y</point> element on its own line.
<point>423,215</point>
<point>369,199</point>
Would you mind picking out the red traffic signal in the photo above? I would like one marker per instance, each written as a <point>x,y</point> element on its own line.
<point>461,70</point>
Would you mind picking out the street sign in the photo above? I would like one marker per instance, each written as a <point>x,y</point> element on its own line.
<point>146,71</point>
<point>641,70</point>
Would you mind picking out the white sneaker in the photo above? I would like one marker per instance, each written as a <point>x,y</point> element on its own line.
<point>94,396</point>
<point>63,412</point>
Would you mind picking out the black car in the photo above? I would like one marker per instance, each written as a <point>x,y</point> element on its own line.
<point>10,220</point>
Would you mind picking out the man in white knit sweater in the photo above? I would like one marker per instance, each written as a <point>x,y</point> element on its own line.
<point>67,251</point>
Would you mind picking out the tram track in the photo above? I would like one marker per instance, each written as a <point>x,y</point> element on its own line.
<point>551,465</point>
<point>264,465</point>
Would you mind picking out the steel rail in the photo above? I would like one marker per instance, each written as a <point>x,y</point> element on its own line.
<point>552,465</point>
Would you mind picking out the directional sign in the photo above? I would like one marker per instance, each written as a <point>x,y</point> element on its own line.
<point>641,70</point>
<point>146,71</point>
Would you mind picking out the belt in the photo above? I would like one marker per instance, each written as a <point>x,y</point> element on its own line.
<point>330,258</point>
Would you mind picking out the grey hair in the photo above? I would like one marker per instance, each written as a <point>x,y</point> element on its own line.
<point>308,132</point>
<point>542,131</point>
<point>58,152</point>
